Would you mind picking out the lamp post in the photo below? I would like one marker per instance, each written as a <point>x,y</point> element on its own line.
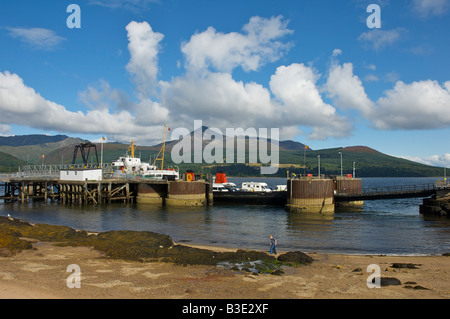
<point>318,165</point>
<point>354,163</point>
<point>445,170</point>
<point>340,153</point>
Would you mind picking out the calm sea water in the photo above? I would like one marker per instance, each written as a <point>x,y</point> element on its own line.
<point>392,227</point>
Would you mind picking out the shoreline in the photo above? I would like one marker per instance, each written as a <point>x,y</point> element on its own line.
<point>41,273</point>
<point>46,271</point>
<point>230,249</point>
<point>281,251</point>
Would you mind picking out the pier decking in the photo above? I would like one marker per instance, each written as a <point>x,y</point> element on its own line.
<point>106,191</point>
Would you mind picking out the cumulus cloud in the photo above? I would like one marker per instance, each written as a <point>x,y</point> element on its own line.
<point>292,101</point>
<point>208,90</point>
<point>37,38</point>
<point>346,89</point>
<point>220,101</point>
<point>295,86</point>
<point>251,49</point>
<point>22,105</point>
<point>418,105</point>
<point>144,46</point>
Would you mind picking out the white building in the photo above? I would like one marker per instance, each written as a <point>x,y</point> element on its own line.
<point>81,175</point>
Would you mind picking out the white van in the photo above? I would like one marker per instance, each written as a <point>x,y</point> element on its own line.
<point>255,187</point>
<point>281,188</point>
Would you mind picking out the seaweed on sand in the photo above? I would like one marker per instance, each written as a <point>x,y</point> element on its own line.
<point>10,242</point>
<point>131,245</point>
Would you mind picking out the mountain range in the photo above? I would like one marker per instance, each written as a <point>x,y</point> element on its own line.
<point>29,149</point>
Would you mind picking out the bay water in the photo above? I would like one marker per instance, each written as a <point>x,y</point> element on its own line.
<point>390,227</point>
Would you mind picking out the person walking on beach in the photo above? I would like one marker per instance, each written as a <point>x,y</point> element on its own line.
<point>273,243</point>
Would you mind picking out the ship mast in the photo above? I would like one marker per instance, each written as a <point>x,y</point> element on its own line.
<point>132,148</point>
<point>162,151</point>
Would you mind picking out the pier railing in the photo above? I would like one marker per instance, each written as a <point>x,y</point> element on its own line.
<point>52,171</point>
<point>386,192</point>
<point>398,189</point>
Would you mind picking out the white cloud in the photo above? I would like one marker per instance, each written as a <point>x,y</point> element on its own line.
<point>209,92</point>
<point>379,39</point>
<point>433,160</point>
<point>220,101</point>
<point>37,38</point>
<point>336,52</point>
<point>144,46</point>
<point>225,51</point>
<point>419,105</point>
<point>429,8</point>
<point>292,100</point>
<point>295,86</point>
<point>22,105</point>
<point>346,89</point>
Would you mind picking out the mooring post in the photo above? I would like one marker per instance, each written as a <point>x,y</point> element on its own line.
<point>22,192</point>
<point>99,193</point>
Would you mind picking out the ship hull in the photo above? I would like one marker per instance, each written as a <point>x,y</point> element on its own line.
<point>251,198</point>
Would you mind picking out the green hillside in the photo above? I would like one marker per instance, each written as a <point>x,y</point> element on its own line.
<point>9,163</point>
<point>32,153</point>
<point>368,162</point>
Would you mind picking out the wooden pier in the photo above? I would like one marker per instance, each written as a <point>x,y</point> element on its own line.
<point>303,195</point>
<point>101,192</point>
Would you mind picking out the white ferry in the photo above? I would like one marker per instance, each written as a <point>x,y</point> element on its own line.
<point>131,165</point>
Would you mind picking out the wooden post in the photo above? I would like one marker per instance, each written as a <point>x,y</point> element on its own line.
<point>22,192</point>
<point>99,191</point>
<point>85,192</point>
<point>52,192</point>
<point>109,192</point>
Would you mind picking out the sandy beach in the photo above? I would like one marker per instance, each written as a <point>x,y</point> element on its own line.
<point>42,273</point>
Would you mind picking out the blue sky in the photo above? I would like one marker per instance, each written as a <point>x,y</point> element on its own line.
<point>314,69</point>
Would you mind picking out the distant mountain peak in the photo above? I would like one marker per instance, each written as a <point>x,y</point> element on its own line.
<point>32,139</point>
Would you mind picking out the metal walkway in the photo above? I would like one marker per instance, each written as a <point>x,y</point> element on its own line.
<point>388,192</point>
